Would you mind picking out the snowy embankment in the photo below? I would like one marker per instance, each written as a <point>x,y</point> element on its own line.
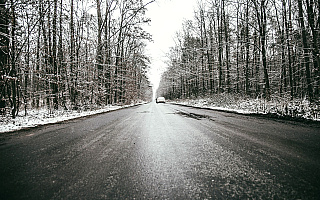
<point>276,107</point>
<point>40,117</point>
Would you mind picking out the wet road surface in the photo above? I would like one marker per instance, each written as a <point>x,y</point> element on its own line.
<point>162,151</point>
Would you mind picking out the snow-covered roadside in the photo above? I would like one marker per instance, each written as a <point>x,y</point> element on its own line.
<point>289,109</point>
<point>43,116</point>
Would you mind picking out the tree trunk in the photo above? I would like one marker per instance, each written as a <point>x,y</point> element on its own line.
<point>54,56</point>
<point>288,47</point>
<point>315,47</point>
<point>226,37</point>
<point>73,83</point>
<point>262,22</point>
<point>211,60</point>
<point>247,46</point>
<point>306,51</point>
<point>99,53</point>
<point>13,71</point>
<point>118,63</point>
<point>61,67</point>
<point>220,51</point>
<point>4,51</point>
<point>108,82</point>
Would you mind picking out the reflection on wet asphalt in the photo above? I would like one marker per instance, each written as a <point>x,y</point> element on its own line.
<point>162,151</point>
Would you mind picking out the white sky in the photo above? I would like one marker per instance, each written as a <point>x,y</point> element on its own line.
<point>167,17</point>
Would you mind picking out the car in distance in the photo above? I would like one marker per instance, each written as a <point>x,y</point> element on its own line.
<point>160,100</point>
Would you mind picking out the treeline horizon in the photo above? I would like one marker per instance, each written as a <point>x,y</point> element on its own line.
<point>72,54</point>
<point>255,48</point>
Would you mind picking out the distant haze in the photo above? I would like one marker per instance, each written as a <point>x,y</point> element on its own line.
<point>167,17</point>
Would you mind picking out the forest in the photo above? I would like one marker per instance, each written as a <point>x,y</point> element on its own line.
<point>69,54</point>
<point>256,49</point>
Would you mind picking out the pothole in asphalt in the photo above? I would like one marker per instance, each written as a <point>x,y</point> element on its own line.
<point>145,112</point>
<point>194,115</point>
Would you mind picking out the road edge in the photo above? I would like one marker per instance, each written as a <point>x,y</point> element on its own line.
<point>68,120</point>
<point>262,115</point>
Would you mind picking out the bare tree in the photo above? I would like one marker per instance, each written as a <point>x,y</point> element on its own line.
<point>305,50</point>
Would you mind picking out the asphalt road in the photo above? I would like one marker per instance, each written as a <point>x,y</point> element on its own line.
<point>163,151</point>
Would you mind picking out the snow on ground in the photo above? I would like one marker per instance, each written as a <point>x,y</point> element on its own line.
<point>39,117</point>
<point>299,109</point>
<point>279,107</point>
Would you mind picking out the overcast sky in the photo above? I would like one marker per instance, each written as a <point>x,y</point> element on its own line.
<point>167,17</point>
